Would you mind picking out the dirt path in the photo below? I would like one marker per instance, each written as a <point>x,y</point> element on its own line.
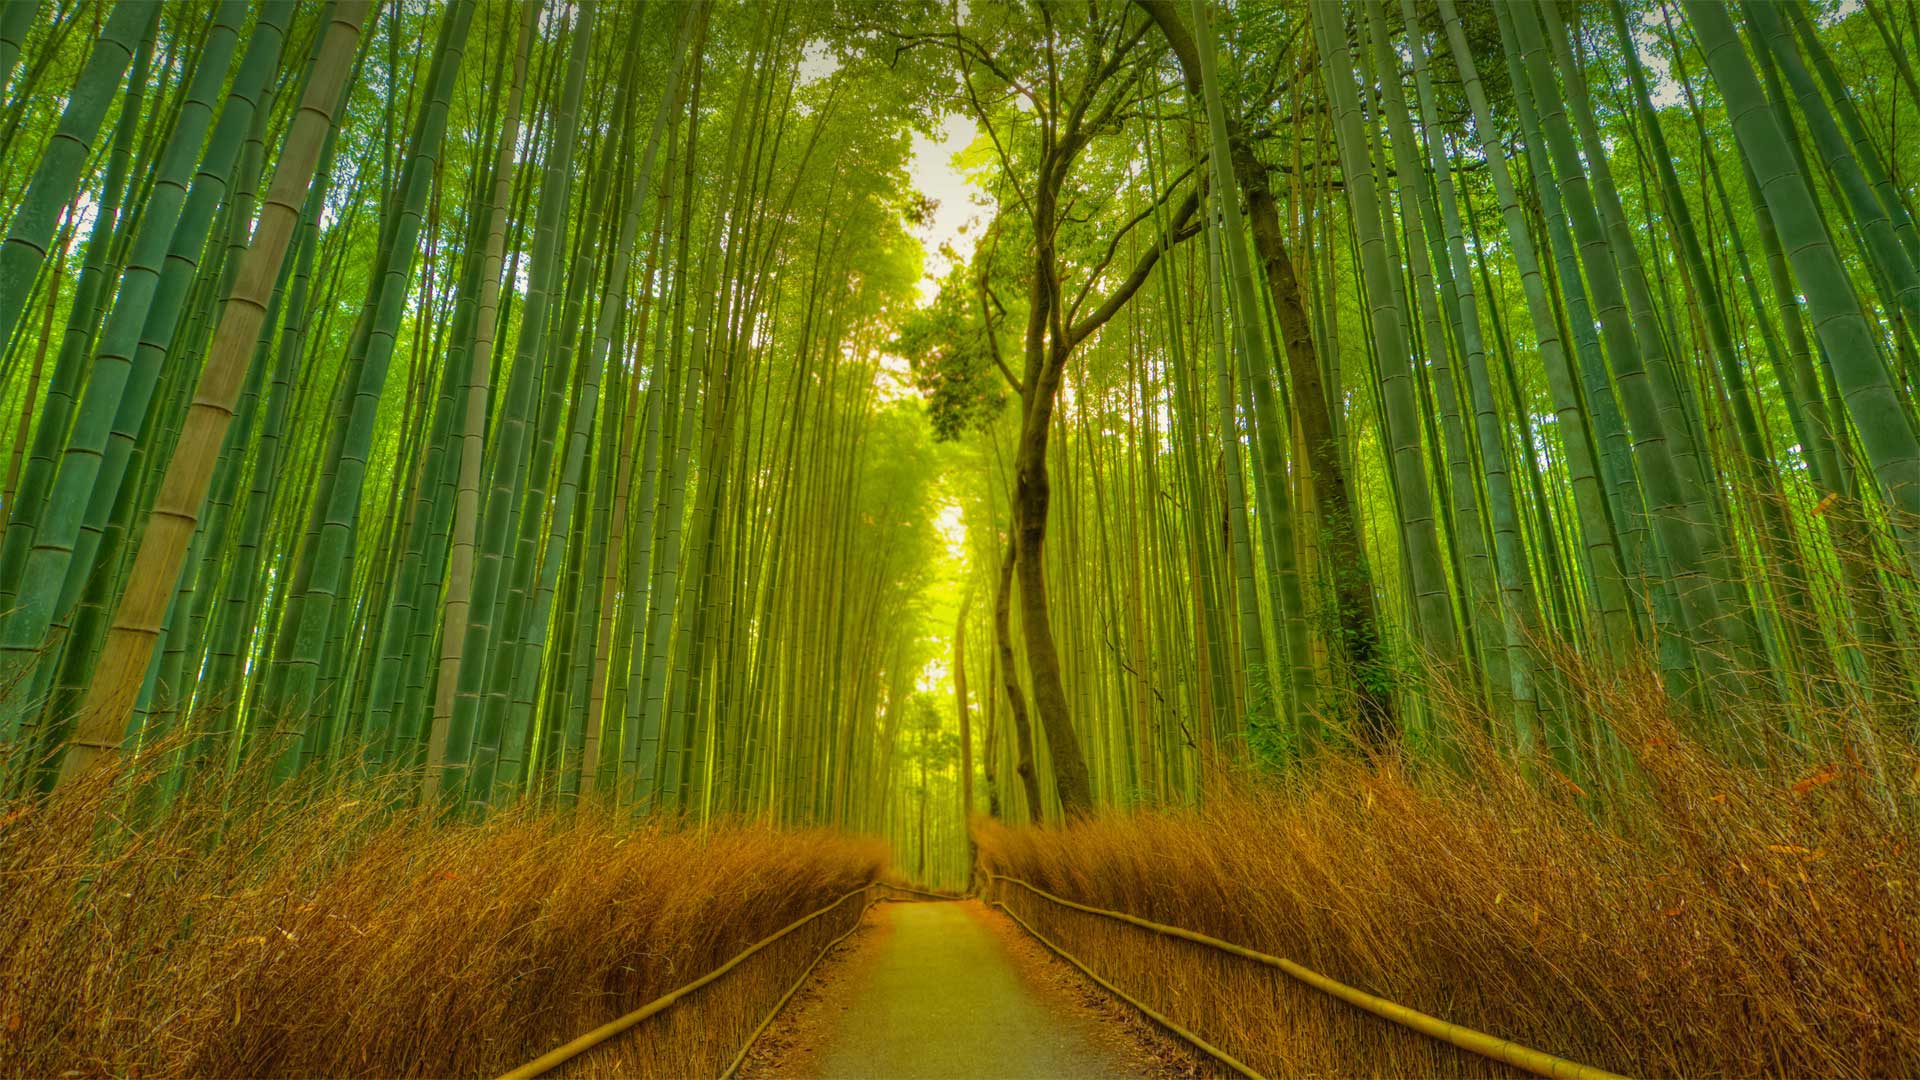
<point>934,990</point>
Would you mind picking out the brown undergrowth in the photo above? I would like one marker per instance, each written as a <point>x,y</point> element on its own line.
<point>321,933</point>
<point>1704,919</point>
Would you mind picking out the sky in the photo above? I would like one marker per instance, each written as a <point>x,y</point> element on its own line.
<point>956,220</point>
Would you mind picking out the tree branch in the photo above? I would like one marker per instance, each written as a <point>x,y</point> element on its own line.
<point>1113,244</point>
<point>1175,233</point>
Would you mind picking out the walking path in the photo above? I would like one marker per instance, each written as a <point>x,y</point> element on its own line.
<point>935,992</point>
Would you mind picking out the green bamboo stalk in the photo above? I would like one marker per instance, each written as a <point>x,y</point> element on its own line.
<point>1520,617</point>
<point>141,360</point>
<point>467,654</point>
<point>472,431</point>
<point>1886,432</point>
<point>79,485</point>
<point>611,308</point>
<point>1687,529</point>
<point>335,540</point>
<point>57,176</point>
<point>69,371</point>
<point>171,526</point>
<point>1438,633</point>
<point>1601,558</point>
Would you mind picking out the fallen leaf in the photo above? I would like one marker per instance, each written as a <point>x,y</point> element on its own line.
<point>1563,778</point>
<point>1824,776</point>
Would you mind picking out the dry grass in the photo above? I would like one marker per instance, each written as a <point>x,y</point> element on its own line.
<point>1721,921</point>
<point>319,933</point>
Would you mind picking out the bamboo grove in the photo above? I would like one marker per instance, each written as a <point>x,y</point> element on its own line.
<point>545,398</point>
<point>426,380</point>
<point>1549,346</point>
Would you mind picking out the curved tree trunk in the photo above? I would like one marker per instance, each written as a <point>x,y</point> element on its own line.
<point>1031,495</point>
<point>1010,676</point>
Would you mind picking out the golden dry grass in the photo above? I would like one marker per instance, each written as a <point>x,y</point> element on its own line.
<point>1718,920</point>
<point>319,933</point>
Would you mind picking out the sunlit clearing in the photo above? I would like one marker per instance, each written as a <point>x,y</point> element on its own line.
<point>935,676</point>
<point>893,379</point>
<point>953,530</point>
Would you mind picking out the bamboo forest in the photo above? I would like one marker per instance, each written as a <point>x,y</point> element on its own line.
<point>959,538</point>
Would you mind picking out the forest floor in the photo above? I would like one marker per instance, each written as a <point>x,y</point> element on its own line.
<point>956,990</point>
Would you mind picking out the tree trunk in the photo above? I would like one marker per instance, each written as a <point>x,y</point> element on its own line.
<point>1010,677</point>
<point>1359,635</point>
<point>1031,495</point>
<point>966,730</point>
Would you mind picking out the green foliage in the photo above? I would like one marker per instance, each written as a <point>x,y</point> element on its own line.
<point>1271,737</point>
<point>953,356</point>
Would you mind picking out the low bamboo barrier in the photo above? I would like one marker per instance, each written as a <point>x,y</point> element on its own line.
<point>917,892</point>
<point>1491,1047</point>
<point>553,1059</point>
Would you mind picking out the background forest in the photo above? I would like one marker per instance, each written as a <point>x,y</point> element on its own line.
<point>1425,464</point>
